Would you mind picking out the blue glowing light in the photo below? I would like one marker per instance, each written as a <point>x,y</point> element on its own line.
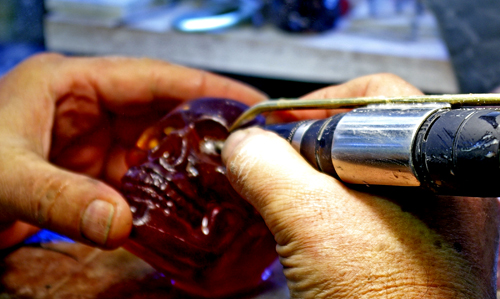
<point>265,275</point>
<point>46,236</point>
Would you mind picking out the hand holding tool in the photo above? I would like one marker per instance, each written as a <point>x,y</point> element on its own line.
<point>447,144</point>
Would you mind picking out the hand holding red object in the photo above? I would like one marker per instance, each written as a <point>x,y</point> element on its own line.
<point>65,126</point>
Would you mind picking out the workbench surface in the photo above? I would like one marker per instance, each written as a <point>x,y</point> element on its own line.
<point>331,57</point>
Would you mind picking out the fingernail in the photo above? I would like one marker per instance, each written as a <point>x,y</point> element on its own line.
<point>96,221</point>
<point>231,142</point>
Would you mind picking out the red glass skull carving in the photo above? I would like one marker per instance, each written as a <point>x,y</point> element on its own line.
<point>189,223</point>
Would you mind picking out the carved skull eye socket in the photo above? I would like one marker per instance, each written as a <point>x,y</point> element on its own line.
<point>212,135</point>
<point>175,122</point>
<point>170,149</point>
<point>152,136</point>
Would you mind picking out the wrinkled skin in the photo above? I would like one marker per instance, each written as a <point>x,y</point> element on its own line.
<point>336,242</point>
<point>66,124</point>
<point>189,222</point>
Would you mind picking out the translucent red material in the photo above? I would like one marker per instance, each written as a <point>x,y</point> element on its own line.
<point>189,223</point>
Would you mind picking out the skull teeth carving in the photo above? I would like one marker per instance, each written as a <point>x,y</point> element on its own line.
<point>189,223</point>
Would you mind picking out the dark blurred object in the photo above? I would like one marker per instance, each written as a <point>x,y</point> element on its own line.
<point>21,31</point>
<point>21,21</point>
<point>306,15</point>
<point>406,20</point>
<point>471,30</point>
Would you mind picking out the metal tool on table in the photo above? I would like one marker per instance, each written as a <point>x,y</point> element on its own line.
<point>218,14</point>
<point>449,144</point>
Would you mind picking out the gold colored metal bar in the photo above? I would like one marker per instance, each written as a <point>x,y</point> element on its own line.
<point>293,104</point>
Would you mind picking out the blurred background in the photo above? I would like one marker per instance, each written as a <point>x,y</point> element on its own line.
<point>21,31</point>
<point>285,47</point>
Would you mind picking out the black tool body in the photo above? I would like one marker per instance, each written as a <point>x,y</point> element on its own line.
<point>448,151</point>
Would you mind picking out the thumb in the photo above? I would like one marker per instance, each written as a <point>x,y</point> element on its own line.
<point>39,193</point>
<point>277,181</point>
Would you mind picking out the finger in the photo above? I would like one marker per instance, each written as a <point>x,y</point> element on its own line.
<point>14,233</point>
<point>137,85</point>
<point>74,205</point>
<point>388,85</point>
<point>76,90</point>
<point>117,166</point>
<point>270,174</point>
<point>85,154</point>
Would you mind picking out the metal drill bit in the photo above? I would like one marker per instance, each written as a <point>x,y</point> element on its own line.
<point>295,104</point>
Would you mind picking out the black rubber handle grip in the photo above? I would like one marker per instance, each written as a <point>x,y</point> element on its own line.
<point>456,152</point>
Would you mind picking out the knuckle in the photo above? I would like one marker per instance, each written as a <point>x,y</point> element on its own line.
<point>202,83</point>
<point>41,59</point>
<point>384,78</point>
<point>49,192</point>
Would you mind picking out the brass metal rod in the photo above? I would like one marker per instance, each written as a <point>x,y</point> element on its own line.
<point>295,104</point>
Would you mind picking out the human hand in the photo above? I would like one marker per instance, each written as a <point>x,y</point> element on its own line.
<point>335,242</point>
<point>82,114</point>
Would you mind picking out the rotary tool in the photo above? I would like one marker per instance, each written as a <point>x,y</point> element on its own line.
<point>415,142</point>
